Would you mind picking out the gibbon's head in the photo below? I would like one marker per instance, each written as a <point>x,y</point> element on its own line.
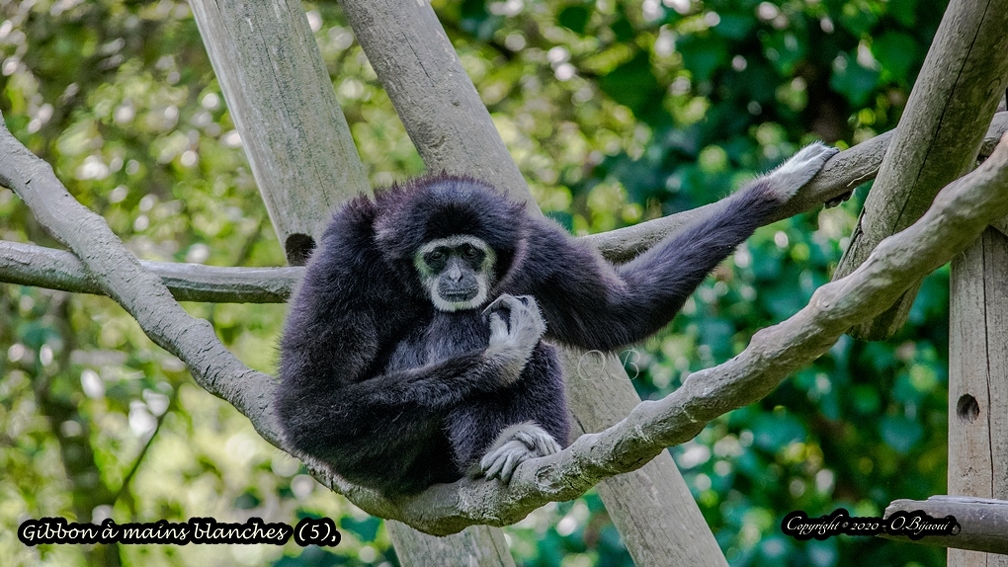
<point>454,237</point>
<point>457,271</point>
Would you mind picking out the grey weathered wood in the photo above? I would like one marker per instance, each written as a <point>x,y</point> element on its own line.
<point>983,526</point>
<point>842,174</point>
<point>26,264</point>
<point>960,214</point>
<point>304,160</point>
<point>282,102</point>
<point>431,92</point>
<point>590,377</point>
<point>141,293</point>
<point>1001,224</point>
<point>978,380</point>
<point>658,519</point>
<point>475,546</point>
<point>956,93</point>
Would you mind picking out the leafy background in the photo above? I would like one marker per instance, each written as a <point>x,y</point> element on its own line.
<point>616,111</point>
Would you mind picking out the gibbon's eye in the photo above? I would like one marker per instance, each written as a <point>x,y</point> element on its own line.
<point>469,252</point>
<point>435,257</point>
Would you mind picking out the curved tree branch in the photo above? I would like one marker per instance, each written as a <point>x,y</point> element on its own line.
<point>141,293</point>
<point>960,212</point>
<point>26,264</point>
<point>939,132</point>
<point>841,175</point>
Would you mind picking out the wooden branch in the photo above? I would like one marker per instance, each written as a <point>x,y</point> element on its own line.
<point>938,136</point>
<point>983,522</point>
<point>841,175</point>
<point>434,97</point>
<point>978,378</point>
<point>25,264</point>
<point>452,130</point>
<point>960,213</point>
<point>142,294</point>
<point>282,101</point>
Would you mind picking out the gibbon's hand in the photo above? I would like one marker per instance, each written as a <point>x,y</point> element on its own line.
<point>516,326</point>
<point>794,173</point>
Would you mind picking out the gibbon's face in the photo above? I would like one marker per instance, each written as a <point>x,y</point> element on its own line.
<point>457,271</point>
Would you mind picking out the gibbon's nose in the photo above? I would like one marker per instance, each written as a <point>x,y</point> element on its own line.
<point>455,273</point>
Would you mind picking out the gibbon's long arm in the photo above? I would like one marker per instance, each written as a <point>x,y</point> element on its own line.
<point>337,422</point>
<point>590,303</point>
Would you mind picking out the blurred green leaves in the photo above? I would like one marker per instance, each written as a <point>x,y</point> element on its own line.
<point>632,84</point>
<point>616,112</point>
<point>575,17</point>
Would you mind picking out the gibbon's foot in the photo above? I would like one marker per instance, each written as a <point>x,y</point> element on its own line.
<point>513,446</point>
<point>799,169</point>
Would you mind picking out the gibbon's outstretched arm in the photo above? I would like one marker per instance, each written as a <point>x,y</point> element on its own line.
<point>592,304</point>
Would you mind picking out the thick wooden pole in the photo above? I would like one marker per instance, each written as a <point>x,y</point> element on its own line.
<point>652,507</point>
<point>978,381</point>
<point>305,162</point>
<point>938,136</point>
<point>283,105</point>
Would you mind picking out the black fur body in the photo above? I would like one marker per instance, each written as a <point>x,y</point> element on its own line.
<point>393,394</point>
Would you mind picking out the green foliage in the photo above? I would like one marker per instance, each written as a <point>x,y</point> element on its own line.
<point>615,111</point>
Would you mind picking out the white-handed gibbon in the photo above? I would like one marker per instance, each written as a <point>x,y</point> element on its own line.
<point>415,348</point>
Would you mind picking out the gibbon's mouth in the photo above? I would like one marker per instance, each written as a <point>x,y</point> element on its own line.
<point>460,295</point>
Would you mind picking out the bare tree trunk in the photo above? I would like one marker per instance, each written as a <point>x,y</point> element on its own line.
<point>283,105</point>
<point>305,163</point>
<point>938,136</point>
<point>982,525</point>
<point>978,381</point>
<point>475,546</point>
<point>652,507</point>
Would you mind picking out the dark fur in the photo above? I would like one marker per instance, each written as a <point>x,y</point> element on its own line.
<point>393,394</point>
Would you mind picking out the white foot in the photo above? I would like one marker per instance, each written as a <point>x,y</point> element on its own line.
<point>513,446</point>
